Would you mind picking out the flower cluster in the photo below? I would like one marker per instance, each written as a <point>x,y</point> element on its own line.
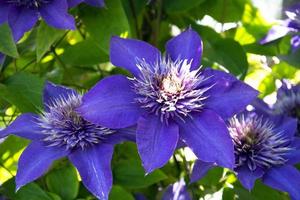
<point>169,101</point>
<point>289,26</point>
<point>22,15</point>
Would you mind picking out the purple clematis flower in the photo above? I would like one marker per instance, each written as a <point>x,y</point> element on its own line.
<point>60,131</point>
<point>177,191</point>
<point>96,3</point>
<point>265,147</point>
<point>170,98</point>
<point>288,102</point>
<point>288,26</point>
<point>22,15</point>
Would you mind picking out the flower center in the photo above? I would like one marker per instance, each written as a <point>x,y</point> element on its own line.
<point>257,143</point>
<point>169,89</point>
<point>63,126</point>
<point>28,3</point>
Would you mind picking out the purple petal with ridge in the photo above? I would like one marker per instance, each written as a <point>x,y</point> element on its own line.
<point>126,52</point>
<point>276,32</point>
<point>228,95</point>
<point>94,168</point>
<point>35,160</point>
<point>177,191</point>
<point>26,126</point>
<point>110,103</point>
<point>207,135</point>
<point>156,141</point>
<point>3,12</point>
<point>21,20</point>
<point>285,178</point>
<point>200,169</point>
<point>187,45</point>
<point>247,177</point>
<point>55,13</point>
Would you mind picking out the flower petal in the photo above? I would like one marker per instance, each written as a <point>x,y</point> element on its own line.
<point>187,45</point>
<point>286,125</point>
<point>228,95</point>
<point>73,3</point>
<point>111,103</point>
<point>247,177</point>
<point>177,191</point>
<point>56,14</point>
<point>121,135</point>
<point>200,169</point>
<point>295,42</point>
<point>126,53</point>
<point>275,33</point>
<point>94,168</point>
<point>207,135</point>
<point>293,157</point>
<point>25,125</point>
<point>156,141</point>
<point>285,178</point>
<point>3,12</point>
<point>21,20</point>
<point>52,92</point>
<point>35,161</point>
<point>96,3</point>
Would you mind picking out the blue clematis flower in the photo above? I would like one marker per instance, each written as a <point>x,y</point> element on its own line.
<point>60,131</point>
<point>22,15</point>
<point>96,3</point>
<point>288,26</point>
<point>177,191</point>
<point>288,102</point>
<point>265,147</point>
<point>170,98</point>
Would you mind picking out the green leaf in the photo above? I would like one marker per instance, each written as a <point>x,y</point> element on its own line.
<point>30,191</point>
<point>24,91</point>
<point>84,54</point>
<point>103,23</point>
<point>64,182</point>
<point>130,173</point>
<point>172,6</point>
<point>7,44</point>
<point>46,36</point>
<point>119,193</point>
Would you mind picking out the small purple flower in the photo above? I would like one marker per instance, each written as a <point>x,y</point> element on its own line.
<point>60,131</point>
<point>170,98</point>
<point>177,191</point>
<point>288,101</point>
<point>22,15</point>
<point>96,3</point>
<point>265,147</point>
<point>288,26</point>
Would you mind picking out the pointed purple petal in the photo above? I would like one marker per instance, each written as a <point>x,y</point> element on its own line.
<point>295,43</point>
<point>111,103</point>
<point>35,161</point>
<point>156,141</point>
<point>94,168</point>
<point>247,177</point>
<point>52,92</point>
<point>200,169</point>
<point>56,15</point>
<point>293,157</point>
<point>228,95</point>
<point>177,191</point>
<point>25,125</point>
<point>21,20</point>
<point>126,53</point>
<point>207,135</point>
<point>96,3</point>
<point>285,178</point>
<point>3,12</point>
<point>73,3</point>
<point>275,33</point>
<point>187,45</point>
